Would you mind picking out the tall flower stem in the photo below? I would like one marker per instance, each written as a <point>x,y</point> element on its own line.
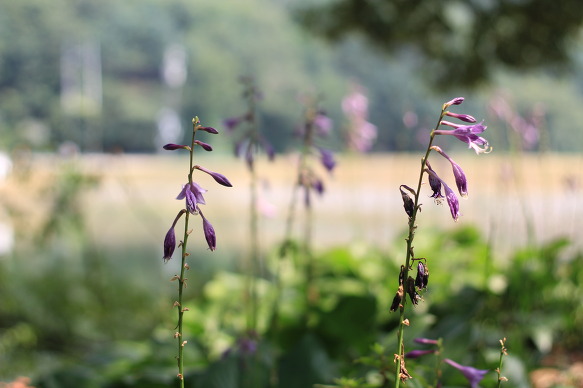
<point>184,267</point>
<point>409,252</point>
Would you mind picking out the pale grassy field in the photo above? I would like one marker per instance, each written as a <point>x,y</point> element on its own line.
<point>135,200</point>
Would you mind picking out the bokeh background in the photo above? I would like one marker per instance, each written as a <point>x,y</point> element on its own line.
<point>90,91</point>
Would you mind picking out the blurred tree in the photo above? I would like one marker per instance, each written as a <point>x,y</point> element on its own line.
<point>461,42</point>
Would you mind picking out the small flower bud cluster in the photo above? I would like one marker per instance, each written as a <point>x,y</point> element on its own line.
<point>251,141</point>
<point>192,193</point>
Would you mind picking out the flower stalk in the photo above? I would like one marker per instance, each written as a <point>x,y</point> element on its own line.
<point>192,193</point>
<point>407,285</point>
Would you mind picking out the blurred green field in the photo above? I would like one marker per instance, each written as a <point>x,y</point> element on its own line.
<point>361,203</point>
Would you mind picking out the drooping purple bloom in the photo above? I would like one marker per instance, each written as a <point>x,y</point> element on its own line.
<point>418,353</point>
<point>205,146</point>
<point>174,147</point>
<point>194,196</point>
<point>209,233</point>
<point>459,175</point>
<point>452,201</point>
<point>219,178</point>
<point>327,159</point>
<point>169,244</point>
<point>473,375</point>
<point>434,183</point>
<point>467,134</point>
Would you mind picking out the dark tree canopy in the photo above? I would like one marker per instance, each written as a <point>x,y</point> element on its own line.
<point>460,42</point>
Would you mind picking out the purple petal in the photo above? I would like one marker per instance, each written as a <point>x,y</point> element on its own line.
<point>473,375</point>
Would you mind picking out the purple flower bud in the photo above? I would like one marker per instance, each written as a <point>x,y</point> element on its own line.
<point>209,233</point>
<point>169,244</point>
<point>268,148</point>
<point>193,194</point>
<point>418,353</point>
<point>459,175</point>
<point>434,183</point>
<point>473,375</point>
<point>455,101</point>
<point>462,117</point>
<point>318,185</point>
<point>408,203</point>
<point>205,146</point>
<point>174,147</point>
<point>232,122</point>
<point>327,159</point>
<point>219,178</point>
<point>426,341</point>
<point>209,130</point>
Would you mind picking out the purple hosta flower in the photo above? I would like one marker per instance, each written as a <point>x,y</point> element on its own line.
<point>169,244</point>
<point>327,159</point>
<point>426,341</point>
<point>462,117</point>
<point>209,130</point>
<point>268,148</point>
<point>204,145</point>
<point>473,375</point>
<point>361,134</point>
<point>455,101</point>
<point>434,183</point>
<point>192,192</point>
<point>422,277</point>
<point>248,346</point>
<point>460,178</point>
<point>174,147</point>
<point>318,186</point>
<point>170,239</point>
<point>467,134</point>
<point>232,122</point>
<point>323,124</point>
<point>419,353</point>
<point>209,233</point>
<point>219,178</point>
<point>452,201</point>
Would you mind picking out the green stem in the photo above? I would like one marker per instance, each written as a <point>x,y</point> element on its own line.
<point>183,268</point>
<point>409,252</point>
<point>254,255</point>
